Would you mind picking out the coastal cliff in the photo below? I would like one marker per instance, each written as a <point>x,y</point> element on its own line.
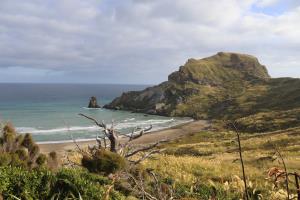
<point>226,85</point>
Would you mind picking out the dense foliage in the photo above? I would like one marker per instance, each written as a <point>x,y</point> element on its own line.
<point>103,161</point>
<point>44,184</point>
<point>21,151</point>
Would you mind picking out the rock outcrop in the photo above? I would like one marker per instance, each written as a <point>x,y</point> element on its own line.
<point>225,85</point>
<point>93,103</point>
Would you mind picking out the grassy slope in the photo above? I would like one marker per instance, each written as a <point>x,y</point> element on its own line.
<point>223,86</point>
<point>224,92</point>
<point>212,158</point>
<point>275,98</point>
<point>270,121</point>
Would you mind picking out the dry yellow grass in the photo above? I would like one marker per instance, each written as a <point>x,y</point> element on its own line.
<point>222,166</point>
<point>217,162</point>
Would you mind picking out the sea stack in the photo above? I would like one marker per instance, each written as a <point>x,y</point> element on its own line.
<point>93,103</point>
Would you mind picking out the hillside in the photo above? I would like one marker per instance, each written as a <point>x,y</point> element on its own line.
<point>223,86</point>
<point>212,157</point>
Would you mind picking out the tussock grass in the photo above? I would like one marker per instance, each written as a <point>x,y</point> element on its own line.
<point>222,165</point>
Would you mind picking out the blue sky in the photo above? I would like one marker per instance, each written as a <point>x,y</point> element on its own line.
<point>273,8</point>
<point>140,41</point>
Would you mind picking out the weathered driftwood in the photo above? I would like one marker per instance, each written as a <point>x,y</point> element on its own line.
<point>122,143</point>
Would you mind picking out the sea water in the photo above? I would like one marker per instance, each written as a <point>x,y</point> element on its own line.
<point>50,111</point>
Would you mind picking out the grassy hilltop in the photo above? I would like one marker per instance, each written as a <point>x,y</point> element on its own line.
<point>223,86</point>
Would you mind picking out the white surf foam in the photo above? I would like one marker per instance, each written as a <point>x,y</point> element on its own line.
<point>158,124</point>
<point>56,130</point>
<point>129,119</point>
<point>86,108</point>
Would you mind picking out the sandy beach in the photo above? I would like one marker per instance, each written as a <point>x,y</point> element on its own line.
<point>170,134</point>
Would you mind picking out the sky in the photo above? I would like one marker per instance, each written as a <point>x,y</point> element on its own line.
<point>140,41</point>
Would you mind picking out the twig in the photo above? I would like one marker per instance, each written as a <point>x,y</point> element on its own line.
<point>145,148</point>
<point>149,196</point>
<point>73,139</point>
<point>147,155</point>
<point>297,177</point>
<point>241,158</point>
<point>77,145</point>
<point>102,125</point>
<point>285,170</point>
<point>70,162</point>
<point>141,133</point>
<point>107,192</point>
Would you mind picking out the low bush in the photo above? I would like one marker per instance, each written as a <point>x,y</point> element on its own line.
<point>19,150</point>
<point>44,184</point>
<point>187,151</point>
<point>103,162</point>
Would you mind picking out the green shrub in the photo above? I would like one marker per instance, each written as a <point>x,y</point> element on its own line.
<point>22,154</point>
<point>41,159</point>
<point>103,162</point>
<point>5,159</point>
<point>19,151</point>
<point>52,161</point>
<point>44,184</point>
<point>202,191</point>
<point>187,151</point>
<point>28,141</point>
<point>24,184</point>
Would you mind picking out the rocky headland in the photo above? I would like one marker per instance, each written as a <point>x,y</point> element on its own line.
<point>223,86</point>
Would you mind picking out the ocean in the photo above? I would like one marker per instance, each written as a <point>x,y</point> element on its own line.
<point>50,111</point>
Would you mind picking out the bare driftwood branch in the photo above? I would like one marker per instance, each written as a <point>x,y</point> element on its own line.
<point>141,188</point>
<point>109,133</point>
<point>114,139</point>
<point>140,134</point>
<point>145,148</point>
<point>147,155</point>
<point>102,125</point>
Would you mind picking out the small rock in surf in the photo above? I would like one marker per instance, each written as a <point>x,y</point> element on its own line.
<point>93,103</point>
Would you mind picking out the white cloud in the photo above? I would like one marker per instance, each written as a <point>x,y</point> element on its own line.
<point>132,40</point>
<point>265,3</point>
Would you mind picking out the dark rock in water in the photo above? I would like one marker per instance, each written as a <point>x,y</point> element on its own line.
<point>93,103</point>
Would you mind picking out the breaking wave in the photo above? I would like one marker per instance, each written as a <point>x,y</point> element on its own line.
<point>89,131</point>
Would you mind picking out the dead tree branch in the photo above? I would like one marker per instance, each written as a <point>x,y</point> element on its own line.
<point>147,155</point>
<point>145,148</point>
<point>124,149</point>
<point>140,134</point>
<point>141,188</point>
<point>102,125</point>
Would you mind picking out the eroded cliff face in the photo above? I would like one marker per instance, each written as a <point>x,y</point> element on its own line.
<point>147,101</point>
<point>223,85</point>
